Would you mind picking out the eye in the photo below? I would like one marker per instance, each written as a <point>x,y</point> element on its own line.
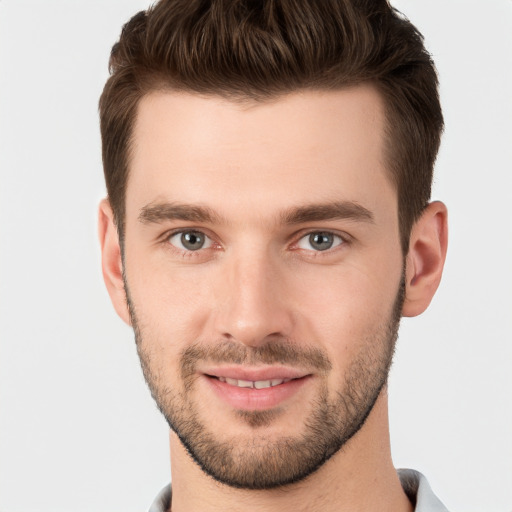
<point>319,241</point>
<point>190,240</point>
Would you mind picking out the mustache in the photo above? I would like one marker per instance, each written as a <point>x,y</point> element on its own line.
<point>279,351</point>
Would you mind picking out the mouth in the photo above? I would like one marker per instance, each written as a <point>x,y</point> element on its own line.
<point>245,389</point>
<point>252,384</point>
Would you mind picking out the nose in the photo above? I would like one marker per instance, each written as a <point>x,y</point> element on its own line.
<point>252,301</point>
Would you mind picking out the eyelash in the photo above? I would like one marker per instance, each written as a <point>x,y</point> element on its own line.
<point>344,240</point>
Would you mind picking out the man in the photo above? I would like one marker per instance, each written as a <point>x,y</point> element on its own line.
<point>268,167</point>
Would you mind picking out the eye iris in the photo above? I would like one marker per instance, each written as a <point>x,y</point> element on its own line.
<point>192,240</point>
<point>321,241</point>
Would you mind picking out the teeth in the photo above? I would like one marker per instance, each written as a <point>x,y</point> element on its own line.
<point>258,384</point>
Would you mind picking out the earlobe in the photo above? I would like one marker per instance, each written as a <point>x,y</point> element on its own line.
<point>111,261</point>
<point>425,260</point>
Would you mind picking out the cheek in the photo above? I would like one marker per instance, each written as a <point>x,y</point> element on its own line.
<point>169,302</point>
<point>351,308</point>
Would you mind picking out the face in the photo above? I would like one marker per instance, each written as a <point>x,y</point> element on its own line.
<point>264,275</point>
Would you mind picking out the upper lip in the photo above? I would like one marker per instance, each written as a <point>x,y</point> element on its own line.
<point>255,373</point>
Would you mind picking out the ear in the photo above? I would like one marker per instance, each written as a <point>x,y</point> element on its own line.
<point>426,257</point>
<point>111,261</point>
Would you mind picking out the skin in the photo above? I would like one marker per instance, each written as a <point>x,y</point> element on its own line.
<point>259,279</point>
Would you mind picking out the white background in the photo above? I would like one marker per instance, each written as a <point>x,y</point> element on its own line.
<point>78,429</point>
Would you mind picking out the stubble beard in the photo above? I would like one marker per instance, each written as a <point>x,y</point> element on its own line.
<point>259,462</point>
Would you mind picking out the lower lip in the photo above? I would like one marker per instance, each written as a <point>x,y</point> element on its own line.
<point>251,399</point>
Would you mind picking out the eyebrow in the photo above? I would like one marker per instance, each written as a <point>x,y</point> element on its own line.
<point>159,212</point>
<point>338,210</point>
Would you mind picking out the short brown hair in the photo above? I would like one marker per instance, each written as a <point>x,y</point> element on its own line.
<point>260,49</point>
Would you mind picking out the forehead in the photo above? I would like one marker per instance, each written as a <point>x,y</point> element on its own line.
<point>309,146</point>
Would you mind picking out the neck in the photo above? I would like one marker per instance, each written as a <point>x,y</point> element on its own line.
<point>359,477</point>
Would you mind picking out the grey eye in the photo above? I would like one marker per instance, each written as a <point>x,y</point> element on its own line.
<point>190,240</point>
<point>320,241</point>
